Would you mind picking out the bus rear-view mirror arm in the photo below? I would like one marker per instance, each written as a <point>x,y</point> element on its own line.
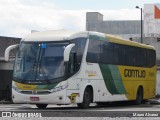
<point>7,51</point>
<point>67,52</point>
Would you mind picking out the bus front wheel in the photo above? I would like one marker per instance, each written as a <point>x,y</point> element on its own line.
<point>41,106</point>
<point>87,98</point>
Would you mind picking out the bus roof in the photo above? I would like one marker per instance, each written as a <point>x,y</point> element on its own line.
<point>119,40</point>
<point>61,35</point>
<point>54,35</point>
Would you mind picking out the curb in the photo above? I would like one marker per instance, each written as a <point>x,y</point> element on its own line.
<point>6,102</point>
<point>154,101</point>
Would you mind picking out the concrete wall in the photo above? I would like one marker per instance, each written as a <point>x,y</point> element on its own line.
<point>94,16</point>
<point>7,41</point>
<point>152,20</point>
<point>120,27</point>
<point>6,84</point>
<point>129,28</point>
<point>158,83</point>
<point>123,28</point>
<point>6,68</point>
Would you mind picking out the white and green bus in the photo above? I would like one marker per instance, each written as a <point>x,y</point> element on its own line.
<point>66,67</point>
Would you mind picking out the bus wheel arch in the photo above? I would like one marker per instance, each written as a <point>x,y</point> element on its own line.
<point>139,95</point>
<point>87,97</point>
<point>91,92</point>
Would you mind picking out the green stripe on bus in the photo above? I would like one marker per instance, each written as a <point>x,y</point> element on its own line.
<point>117,79</point>
<point>112,79</point>
<point>107,76</point>
<point>49,86</point>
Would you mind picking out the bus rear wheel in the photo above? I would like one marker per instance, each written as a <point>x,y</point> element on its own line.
<point>139,96</point>
<point>87,99</point>
<point>41,106</point>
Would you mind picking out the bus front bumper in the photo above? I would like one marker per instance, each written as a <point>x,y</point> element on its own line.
<point>52,98</point>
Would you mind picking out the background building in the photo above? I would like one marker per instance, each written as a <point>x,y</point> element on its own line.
<point>152,20</point>
<point>6,68</point>
<point>124,28</point>
<point>130,29</point>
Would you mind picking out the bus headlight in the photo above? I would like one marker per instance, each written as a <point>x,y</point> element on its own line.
<point>59,88</point>
<point>15,88</point>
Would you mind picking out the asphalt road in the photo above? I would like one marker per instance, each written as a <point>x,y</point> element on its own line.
<point>118,109</point>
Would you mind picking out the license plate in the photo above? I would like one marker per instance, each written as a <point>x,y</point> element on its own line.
<point>34,98</point>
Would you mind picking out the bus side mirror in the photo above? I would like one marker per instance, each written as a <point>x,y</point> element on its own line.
<point>7,51</point>
<point>67,52</point>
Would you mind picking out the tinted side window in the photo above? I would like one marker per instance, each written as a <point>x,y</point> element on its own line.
<point>79,47</point>
<point>134,56</point>
<point>145,58</point>
<point>151,58</point>
<point>128,55</point>
<point>93,54</point>
<point>107,53</point>
<point>102,51</point>
<point>119,54</point>
<point>80,44</point>
<point>141,57</point>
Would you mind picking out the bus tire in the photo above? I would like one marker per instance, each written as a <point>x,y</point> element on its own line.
<point>41,106</point>
<point>139,96</point>
<point>87,99</point>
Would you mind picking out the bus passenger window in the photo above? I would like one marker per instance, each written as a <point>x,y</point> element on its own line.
<point>107,53</point>
<point>93,54</point>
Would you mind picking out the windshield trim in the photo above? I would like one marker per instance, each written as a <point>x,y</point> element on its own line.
<point>39,82</point>
<point>30,42</point>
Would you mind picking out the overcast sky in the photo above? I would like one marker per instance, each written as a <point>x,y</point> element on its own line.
<point>19,17</point>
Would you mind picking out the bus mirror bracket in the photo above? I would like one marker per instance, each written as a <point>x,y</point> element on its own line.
<point>67,52</point>
<point>7,51</point>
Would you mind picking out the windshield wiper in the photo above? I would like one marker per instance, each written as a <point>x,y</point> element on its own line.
<point>44,73</point>
<point>40,66</point>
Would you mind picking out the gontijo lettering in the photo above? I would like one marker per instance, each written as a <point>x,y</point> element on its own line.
<point>134,73</point>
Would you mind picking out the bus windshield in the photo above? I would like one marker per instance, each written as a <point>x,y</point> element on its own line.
<point>41,62</point>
